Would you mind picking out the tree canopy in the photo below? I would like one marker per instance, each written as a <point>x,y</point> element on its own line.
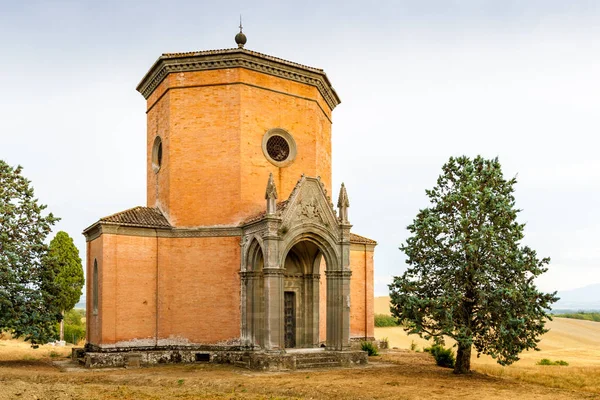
<point>469,277</point>
<point>64,260</point>
<point>28,292</point>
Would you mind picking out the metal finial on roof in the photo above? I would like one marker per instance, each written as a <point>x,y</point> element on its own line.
<point>240,38</point>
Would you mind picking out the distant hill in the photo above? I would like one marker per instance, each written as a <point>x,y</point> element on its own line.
<point>584,298</point>
<point>81,303</point>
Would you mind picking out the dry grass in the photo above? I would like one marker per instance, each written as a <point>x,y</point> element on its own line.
<point>574,341</point>
<point>15,350</point>
<point>400,374</point>
<point>27,373</point>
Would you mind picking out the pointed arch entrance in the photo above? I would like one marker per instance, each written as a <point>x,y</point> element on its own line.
<point>304,265</point>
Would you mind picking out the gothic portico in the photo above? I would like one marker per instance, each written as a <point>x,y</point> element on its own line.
<point>287,251</point>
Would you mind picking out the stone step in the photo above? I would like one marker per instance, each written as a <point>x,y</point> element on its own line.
<point>314,355</point>
<point>300,361</point>
<point>329,364</point>
<point>242,364</point>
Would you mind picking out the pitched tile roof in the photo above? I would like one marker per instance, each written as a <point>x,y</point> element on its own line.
<point>148,217</point>
<point>257,217</point>
<point>354,238</point>
<point>238,50</point>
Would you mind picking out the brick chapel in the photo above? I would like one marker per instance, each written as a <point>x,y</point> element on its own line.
<point>239,246</point>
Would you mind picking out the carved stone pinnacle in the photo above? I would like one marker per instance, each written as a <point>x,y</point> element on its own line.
<point>271,192</point>
<point>343,197</point>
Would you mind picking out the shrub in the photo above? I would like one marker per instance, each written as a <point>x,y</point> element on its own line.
<point>382,321</point>
<point>384,343</point>
<point>413,346</point>
<point>370,348</point>
<point>443,357</point>
<point>546,361</point>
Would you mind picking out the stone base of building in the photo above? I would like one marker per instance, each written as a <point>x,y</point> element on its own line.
<point>256,360</point>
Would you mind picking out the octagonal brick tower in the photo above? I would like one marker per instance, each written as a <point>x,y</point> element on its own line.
<point>219,121</point>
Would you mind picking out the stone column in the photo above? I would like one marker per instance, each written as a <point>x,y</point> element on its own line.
<point>273,288</point>
<point>338,296</point>
<point>311,282</point>
<point>338,310</point>
<point>246,309</point>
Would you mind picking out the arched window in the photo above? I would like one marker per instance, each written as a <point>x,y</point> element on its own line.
<point>95,288</point>
<point>157,151</point>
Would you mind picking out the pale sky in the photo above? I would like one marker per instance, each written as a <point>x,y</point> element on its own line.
<point>420,81</point>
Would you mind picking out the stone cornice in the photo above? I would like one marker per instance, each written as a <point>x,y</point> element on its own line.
<point>362,247</point>
<point>237,58</point>
<point>338,274</point>
<point>101,228</point>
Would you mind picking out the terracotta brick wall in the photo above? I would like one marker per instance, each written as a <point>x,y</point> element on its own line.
<point>212,123</point>
<point>198,290</point>
<point>361,293</point>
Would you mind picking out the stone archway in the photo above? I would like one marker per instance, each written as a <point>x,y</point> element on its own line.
<point>282,255</point>
<point>302,295</point>
<point>253,308</point>
<point>323,249</point>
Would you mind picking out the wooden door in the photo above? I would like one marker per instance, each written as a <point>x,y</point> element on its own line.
<point>290,319</point>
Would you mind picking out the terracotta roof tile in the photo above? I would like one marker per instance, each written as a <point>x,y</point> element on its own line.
<point>257,217</point>
<point>148,217</point>
<point>354,238</point>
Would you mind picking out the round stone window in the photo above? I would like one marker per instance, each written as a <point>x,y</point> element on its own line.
<point>279,147</point>
<point>157,151</point>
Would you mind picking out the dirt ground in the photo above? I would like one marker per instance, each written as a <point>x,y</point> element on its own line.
<point>399,374</point>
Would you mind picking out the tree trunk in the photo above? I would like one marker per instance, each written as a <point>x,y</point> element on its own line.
<point>463,360</point>
<point>62,327</point>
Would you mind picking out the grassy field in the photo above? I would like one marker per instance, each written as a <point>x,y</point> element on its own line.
<point>574,341</point>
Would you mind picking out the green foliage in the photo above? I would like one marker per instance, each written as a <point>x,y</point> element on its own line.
<point>382,321</point>
<point>63,258</point>
<point>28,293</point>
<point>443,357</point>
<point>469,278</point>
<point>74,333</point>
<point>74,317</point>
<point>370,348</point>
<point>546,361</point>
<point>587,316</point>
<point>74,329</point>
